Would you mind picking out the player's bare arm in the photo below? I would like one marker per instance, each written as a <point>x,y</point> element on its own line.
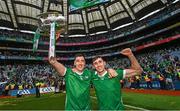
<point>135,66</point>
<point>60,68</point>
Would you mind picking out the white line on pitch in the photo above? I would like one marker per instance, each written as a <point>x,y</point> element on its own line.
<point>128,106</point>
<point>136,107</point>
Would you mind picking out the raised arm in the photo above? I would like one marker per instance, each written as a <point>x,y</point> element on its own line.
<point>60,68</point>
<point>135,67</point>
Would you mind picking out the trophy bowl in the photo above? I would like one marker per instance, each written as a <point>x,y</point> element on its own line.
<point>50,24</point>
<point>47,18</point>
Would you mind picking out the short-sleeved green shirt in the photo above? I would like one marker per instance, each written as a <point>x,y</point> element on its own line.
<point>108,91</point>
<point>77,90</point>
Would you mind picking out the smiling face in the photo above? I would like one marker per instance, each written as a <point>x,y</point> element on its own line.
<point>79,63</point>
<point>99,65</point>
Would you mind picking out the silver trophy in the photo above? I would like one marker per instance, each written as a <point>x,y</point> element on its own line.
<point>51,24</point>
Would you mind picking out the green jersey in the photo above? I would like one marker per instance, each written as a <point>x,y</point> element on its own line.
<point>77,90</point>
<point>108,91</point>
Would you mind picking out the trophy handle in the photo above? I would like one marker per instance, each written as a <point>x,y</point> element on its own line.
<point>52,42</point>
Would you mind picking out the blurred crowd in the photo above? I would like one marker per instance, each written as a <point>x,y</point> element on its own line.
<point>20,76</point>
<point>162,66</point>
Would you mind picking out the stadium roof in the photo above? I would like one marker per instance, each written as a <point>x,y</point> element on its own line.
<point>22,14</point>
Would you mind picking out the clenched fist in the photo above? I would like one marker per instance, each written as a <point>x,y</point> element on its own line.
<point>126,52</point>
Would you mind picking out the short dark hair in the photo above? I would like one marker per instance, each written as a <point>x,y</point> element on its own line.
<point>79,55</point>
<point>97,57</point>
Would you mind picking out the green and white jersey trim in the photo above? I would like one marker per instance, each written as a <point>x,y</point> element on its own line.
<point>65,71</point>
<point>79,73</point>
<point>102,74</point>
<point>124,74</point>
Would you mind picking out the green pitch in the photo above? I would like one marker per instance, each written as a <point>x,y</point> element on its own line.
<point>53,101</point>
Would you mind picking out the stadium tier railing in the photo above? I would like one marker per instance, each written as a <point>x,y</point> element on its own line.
<point>102,48</point>
<point>169,39</point>
<point>149,23</point>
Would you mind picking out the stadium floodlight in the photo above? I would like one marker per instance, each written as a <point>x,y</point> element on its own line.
<point>50,24</point>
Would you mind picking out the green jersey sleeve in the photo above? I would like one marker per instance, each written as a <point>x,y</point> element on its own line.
<point>120,73</point>
<point>92,73</point>
<point>68,71</point>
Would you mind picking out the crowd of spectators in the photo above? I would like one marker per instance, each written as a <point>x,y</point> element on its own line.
<point>161,66</point>
<point>20,76</point>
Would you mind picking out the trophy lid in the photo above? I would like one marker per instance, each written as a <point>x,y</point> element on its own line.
<point>45,20</point>
<point>46,14</point>
<point>49,17</point>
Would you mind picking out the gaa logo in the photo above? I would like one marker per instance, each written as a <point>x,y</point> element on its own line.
<point>48,89</point>
<point>23,92</point>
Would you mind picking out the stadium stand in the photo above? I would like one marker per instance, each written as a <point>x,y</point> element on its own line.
<point>21,69</point>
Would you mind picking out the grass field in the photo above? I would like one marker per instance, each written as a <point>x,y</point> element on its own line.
<point>56,102</point>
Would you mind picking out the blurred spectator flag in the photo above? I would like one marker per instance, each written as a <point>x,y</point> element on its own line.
<point>36,40</point>
<point>3,82</point>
